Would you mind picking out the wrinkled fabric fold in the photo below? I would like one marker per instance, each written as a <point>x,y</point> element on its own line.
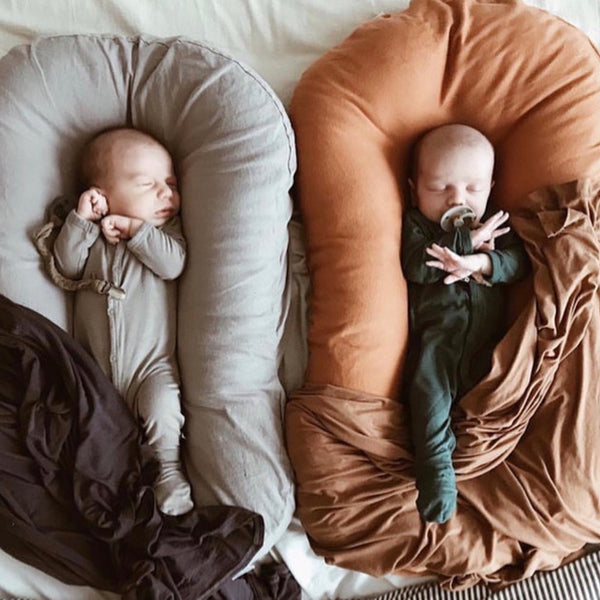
<point>527,459</point>
<point>76,483</point>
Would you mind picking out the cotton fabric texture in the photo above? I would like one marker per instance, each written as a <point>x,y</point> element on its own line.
<point>81,513</point>
<point>453,330</point>
<point>527,463</point>
<point>233,149</point>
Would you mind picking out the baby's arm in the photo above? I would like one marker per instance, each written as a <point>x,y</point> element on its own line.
<point>416,241</point>
<point>73,243</point>
<point>162,249</point>
<point>78,233</point>
<point>506,264</point>
<point>509,259</point>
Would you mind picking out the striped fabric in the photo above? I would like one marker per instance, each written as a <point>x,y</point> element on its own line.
<point>577,580</point>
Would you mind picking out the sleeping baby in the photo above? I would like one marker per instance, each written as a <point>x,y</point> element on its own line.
<point>126,229</point>
<point>457,259</point>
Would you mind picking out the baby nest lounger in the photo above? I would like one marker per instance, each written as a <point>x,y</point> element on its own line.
<point>527,462</point>
<point>234,152</point>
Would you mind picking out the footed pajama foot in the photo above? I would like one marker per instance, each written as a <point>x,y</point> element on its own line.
<point>437,496</point>
<point>173,492</point>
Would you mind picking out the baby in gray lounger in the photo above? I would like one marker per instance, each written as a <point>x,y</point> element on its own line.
<point>125,229</point>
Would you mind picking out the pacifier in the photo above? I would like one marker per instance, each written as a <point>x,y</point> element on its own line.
<point>457,216</point>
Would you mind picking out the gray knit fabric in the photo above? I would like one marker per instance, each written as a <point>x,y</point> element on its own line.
<point>234,152</point>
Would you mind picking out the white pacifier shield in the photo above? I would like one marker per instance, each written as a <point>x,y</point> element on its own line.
<point>455,217</point>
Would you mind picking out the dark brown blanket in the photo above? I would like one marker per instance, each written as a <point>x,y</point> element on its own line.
<point>75,484</point>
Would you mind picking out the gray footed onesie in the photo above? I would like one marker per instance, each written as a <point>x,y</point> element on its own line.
<point>133,338</point>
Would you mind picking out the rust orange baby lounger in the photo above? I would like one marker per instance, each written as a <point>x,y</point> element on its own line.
<point>527,460</point>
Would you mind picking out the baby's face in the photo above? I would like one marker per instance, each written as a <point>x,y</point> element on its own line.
<point>459,176</point>
<point>140,182</point>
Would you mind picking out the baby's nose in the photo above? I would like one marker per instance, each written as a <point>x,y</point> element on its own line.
<point>456,197</point>
<point>165,191</point>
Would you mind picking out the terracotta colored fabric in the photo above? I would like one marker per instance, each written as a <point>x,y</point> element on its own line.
<point>525,78</point>
<point>526,461</point>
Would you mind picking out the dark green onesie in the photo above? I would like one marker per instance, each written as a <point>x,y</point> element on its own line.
<point>453,331</point>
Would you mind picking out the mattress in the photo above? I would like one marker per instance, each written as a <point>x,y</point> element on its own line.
<point>279,39</point>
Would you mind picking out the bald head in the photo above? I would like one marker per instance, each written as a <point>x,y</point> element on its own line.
<point>99,153</point>
<point>454,167</point>
<point>447,138</point>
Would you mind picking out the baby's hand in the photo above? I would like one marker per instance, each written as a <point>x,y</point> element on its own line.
<point>92,205</point>
<point>459,267</point>
<point>115,228</point>
<point>483,236</point>
<point>118,227</point>
<point>487,246</point>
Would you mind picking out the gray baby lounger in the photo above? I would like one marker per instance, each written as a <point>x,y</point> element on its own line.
<point>234,152</point>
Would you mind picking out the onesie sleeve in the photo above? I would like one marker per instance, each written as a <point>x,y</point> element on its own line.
<point>510,262</point>
<point>161,249</point>
<point>73,243</point>
<point>417,236</point>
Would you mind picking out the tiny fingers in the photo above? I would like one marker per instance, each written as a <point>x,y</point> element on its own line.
<point>98,199</point>
<point>499,232</point>
<point>438,255</point>
<point>496,219</point>
<point>110,231</point>
<point>458,275</point>
<point>503,220</point>
<point>452,279</point>
<point>435,264</point>
<point>448,254</point>
<point>439,251</point>
<point>434,250</point>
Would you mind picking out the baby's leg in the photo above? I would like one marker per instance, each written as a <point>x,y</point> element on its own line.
<point>173,492</point>
<point>431,394</point>
<point>158,405</point>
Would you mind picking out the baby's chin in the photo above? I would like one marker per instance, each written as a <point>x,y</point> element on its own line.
<point>158,222</point>
<point>160,219</point>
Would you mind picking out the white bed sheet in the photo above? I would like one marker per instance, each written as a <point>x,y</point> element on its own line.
<point>279,39</point>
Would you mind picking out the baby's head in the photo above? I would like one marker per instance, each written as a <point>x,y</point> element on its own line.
<point>134,172</point>
<point>452,166</point>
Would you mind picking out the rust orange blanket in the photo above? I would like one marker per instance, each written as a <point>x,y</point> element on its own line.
<point>528,457</point>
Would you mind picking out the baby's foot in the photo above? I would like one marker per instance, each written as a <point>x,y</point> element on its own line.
<point>173,492</point>
<point>437,496</point>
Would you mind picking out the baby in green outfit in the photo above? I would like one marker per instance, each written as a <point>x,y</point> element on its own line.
<point>457,259</point>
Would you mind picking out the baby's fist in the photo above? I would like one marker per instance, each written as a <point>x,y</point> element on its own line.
<point>112,229</point>
<point>119,227</point>
<point>92,205</point>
